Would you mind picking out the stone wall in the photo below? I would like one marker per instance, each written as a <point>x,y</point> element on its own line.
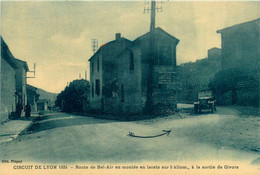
<point>130,75</point>
<point>7,90</point>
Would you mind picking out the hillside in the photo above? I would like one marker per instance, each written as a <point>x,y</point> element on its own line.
<point>51,97</point>
<point>195,76</point>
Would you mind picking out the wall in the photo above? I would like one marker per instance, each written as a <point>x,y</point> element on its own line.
<point>130,96</point>
<point>240,50</point>
<point>95,99</point>
<point>240,46</point>
<point>7,90</point>
<point>165,62</point>
<point>165,88</point>
<point>21,81</point>
<point>108,71</point>
<point>31,97</point>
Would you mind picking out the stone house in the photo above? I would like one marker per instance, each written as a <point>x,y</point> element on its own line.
<point>8,69</point>
<point>21,81</point>
<point>103,69</point>
<point>240,45</point>
<point>124,88</point>
<point>42,105</point>
<point>32,96</point>
<point>214,53</point>
<point>240,51</point>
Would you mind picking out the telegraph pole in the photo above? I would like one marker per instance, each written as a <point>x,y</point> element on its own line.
<point>152,25</point>
<point>150,83</point>
<point>94,43</point>
<point>34,71</point>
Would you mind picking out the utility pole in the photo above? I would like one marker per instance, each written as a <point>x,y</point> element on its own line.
<point>150,83</point>
<point>85,74</point>
<point>34,70</point>
<point>94,43</point>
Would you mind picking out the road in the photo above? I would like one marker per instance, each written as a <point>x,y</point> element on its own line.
<point>63,138</point>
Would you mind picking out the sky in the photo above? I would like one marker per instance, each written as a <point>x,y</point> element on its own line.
<point>56,35</point>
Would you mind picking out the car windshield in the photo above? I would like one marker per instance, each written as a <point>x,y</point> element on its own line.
<point>203,101</point>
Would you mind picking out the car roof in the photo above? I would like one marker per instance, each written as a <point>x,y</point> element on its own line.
<point>201,98</point>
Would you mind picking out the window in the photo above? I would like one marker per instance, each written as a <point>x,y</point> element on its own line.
<point>122,93</point>
<point>98,87</point>
<point>131,64</point>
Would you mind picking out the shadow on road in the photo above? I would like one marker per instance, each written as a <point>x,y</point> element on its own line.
<point>46,123</point>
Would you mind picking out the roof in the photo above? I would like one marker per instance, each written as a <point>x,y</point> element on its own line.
<point>237,26</point>
<point>7,55</point>
<point>107,45</point>
<point>30,87</point>
<point>159,30</point>
<point>156,29</point>
<point>206,98</point>
<point>21,63</point>
<point>128,48</point>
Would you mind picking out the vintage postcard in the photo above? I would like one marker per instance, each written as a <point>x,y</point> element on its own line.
<point>130,87</point>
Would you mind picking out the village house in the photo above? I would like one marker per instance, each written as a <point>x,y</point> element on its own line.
<point>13,82</point>
<point>42,105</point>
<point>32,96</point>
<point>8,82</point>
<point>21,80</point>
<point>240,51</point>
<point>240,45</point>
<point>214,53</point>
<point>119,79</point>
<point>103,69</point>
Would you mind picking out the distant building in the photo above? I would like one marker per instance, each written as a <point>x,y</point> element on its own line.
<point>21,80</point>
<point>8,69</point>
<point>42,105</point>
<point>119,73</point>
<point>32,96</point>
<point>214,53</point>
<point>240,45</point>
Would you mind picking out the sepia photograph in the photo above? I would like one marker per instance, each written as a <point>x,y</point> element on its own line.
<point>130,87</point>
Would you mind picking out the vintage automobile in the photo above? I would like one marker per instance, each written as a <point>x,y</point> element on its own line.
<point>207,102</point>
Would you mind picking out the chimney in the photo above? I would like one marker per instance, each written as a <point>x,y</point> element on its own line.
<point>118,36</point>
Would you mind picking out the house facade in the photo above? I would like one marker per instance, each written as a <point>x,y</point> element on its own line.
<point>21,80</point>
<point>240,45</point>
<point>32,96</point>
<point>125,71</point>
<point>42,105</point>
<point>241,51</point>
<point>103,71</point>
<point>8,82</point>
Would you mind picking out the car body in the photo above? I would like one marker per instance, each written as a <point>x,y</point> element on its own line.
<point>208,103</point>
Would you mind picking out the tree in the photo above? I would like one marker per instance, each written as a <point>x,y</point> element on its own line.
<point>74,97</point>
